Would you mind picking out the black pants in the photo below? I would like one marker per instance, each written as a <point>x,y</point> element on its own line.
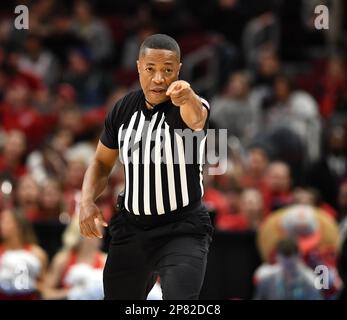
<point>139,252</point>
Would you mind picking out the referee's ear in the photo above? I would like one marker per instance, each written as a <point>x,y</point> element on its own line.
<point>138,66</point>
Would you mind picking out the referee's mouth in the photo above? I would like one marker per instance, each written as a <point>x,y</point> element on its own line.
<point>158,91</point>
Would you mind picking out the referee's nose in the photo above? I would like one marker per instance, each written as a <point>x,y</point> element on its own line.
<point>158,78</point>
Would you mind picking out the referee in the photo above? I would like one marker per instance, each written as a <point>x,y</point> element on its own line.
<point>162,229</point>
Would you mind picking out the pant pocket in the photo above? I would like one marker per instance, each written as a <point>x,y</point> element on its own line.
<point>205,221</point>
<point>116,223</point>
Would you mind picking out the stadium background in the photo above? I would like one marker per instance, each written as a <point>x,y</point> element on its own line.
<point>273,80</point>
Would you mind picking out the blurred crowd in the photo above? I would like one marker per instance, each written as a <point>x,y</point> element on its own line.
<point>278,86</point>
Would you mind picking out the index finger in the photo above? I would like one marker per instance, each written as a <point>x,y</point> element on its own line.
<point>173,86</point>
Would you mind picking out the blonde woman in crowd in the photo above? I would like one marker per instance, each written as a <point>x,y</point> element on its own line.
<point>22,262</point>
<point>76,270</point>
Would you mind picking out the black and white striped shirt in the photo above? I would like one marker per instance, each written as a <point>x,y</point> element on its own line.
<point>162,157</point>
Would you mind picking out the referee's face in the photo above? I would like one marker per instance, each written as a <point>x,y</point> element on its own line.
<point>157,68</point>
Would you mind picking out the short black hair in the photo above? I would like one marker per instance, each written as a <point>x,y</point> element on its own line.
<point>160,41</point>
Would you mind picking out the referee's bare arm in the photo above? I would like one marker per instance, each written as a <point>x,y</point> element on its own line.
<point>191,109</point>
<point>95,181</point>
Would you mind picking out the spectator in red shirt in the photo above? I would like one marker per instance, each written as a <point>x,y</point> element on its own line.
<point>310,196</point>
<point>234,219</point>
<point>252,207</point>
<point>334,88</point>
<point>214,199</point>
<point>14,75</point>
<point>245,211</point>
<point>17,112</point>
<point>52,204</point>
<point>27,198</point>
<point>11,157</point>
<point>278,186</point>
<point>256,164</point>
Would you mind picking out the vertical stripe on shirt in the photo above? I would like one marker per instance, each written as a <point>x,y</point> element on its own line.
<point>125,157</point>
<point>157,166</point>
<point>182,169</point>
<point>170,168</point>
<point>147,162</point>
<point>136,185</point>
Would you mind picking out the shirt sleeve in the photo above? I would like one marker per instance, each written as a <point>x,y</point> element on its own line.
<point>207,106</point>
<point>109,135</point>
<point>182,125</point>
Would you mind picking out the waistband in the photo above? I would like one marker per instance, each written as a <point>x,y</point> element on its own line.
<point>156,220</point>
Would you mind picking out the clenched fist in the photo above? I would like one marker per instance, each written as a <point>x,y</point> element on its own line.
<point>180,92</point>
